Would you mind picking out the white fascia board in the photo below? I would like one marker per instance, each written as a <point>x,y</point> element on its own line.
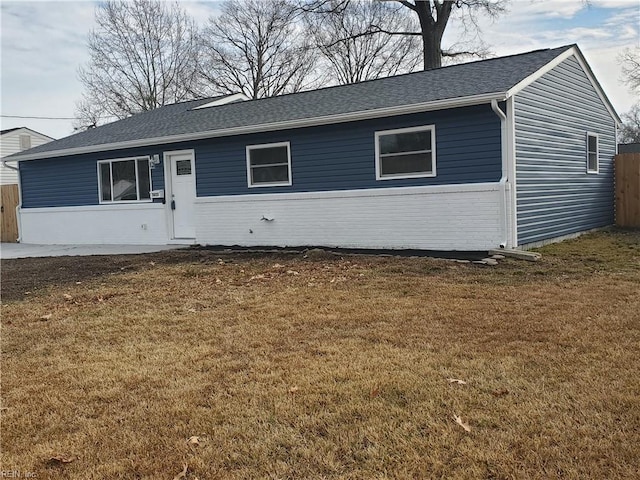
<point>275,126</point>
<point>570,52</point>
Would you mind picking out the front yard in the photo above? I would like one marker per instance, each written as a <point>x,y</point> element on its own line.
<point>197,364</point>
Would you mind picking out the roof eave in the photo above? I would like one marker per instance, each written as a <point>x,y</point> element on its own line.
<point>274,126</point>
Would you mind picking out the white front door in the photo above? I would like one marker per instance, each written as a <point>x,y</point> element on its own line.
<point>182,194</point>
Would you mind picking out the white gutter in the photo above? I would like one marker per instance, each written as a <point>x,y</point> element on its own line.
<point>19,206</point>
<point>504,180</point>
<point>269,127</point>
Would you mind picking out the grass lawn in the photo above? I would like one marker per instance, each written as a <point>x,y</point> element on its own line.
<point>276,366</point>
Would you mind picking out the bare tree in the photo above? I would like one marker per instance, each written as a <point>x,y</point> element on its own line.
<point>257,47</point>
<point>143,54</point>
<point>630,131</point>
<point>433,17</point>
<point>630,62</point>
<point>352,58</point>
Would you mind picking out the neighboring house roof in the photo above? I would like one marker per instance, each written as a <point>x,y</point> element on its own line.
<point>450,86</point>
<point>8,130</point>
<point>25,130</point>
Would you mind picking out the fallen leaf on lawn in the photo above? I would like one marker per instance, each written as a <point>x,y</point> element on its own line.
<point>292,272</point>
<point>293,390</point>
<point>218,280</point>
<point>78,283</point>
<point>277,265</point>
<point>192,310</point>
<point>375,391</point>
<point>27,293</point>
<point>67,296</point>
<point>500,393</point>
<point>456,380</point>
<point>152,263</point>
<point>100,299</point>
<point>461,423</point>
<point>62,458</point>
<point>194,440</point>
<point>183,473</point>
<point>46,317</point>
<point>260,276</point>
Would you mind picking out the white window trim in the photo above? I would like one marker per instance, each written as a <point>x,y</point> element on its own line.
<point>592,134</point>
<point>423,128</point>
<point>268,145</point>
<point>123,202</point>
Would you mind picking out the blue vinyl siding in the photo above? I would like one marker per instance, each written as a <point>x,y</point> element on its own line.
<point>342,156</point>
<point>331,157</point>
<point>555,194</point>
<point>73,181</point>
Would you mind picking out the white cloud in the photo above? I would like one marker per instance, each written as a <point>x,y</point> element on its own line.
<point>43,43</point>
<point>547,8</point>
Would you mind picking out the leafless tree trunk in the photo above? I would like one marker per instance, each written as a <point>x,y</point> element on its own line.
<point>351,58</point>
<point>433,17</point>
<point>257,47</point>
<point>143,54</point>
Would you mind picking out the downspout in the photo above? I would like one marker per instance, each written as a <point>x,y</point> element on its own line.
<point>504,180</point>
<point>19,206</point>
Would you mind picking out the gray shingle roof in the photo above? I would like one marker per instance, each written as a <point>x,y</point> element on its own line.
<point>495,75</point>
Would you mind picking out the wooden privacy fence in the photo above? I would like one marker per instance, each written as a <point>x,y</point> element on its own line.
<point>9,195</point>
<point>627,167</point>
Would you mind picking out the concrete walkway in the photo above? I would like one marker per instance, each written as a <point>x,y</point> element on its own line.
<point>25,250</point>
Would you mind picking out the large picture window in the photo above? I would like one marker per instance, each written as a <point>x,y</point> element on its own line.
<point>269,164</point>
<point>406,153</point>
<point>592,153</point>
<point>124,180</point>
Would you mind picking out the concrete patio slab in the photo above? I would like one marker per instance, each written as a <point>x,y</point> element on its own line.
<point>26,250</point>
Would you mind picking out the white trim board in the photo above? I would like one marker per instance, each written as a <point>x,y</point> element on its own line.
<point>365,192</point>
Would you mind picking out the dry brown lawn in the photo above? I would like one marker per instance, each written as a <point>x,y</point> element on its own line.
<point>337,367</point>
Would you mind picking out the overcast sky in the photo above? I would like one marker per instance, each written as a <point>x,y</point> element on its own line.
<point>43,43</point>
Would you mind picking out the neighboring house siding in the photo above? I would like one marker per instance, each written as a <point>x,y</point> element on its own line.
<point>555,194</point>
<point>332,157</point>
<point>73,181</point>
<point>10,144</point>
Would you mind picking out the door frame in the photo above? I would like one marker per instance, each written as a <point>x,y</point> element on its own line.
<point>168,190</point>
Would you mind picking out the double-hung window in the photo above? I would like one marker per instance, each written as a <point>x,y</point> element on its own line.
<point>124,180</point>
<point>269,164</point>
<point>406,153</point>
<point>592,153</point>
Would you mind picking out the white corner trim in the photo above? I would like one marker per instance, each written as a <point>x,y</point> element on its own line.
<point>274,126</point>
<point>571,52</point>
<point>236,97</point>
<point>368,192</point>
<point>511,171</point>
